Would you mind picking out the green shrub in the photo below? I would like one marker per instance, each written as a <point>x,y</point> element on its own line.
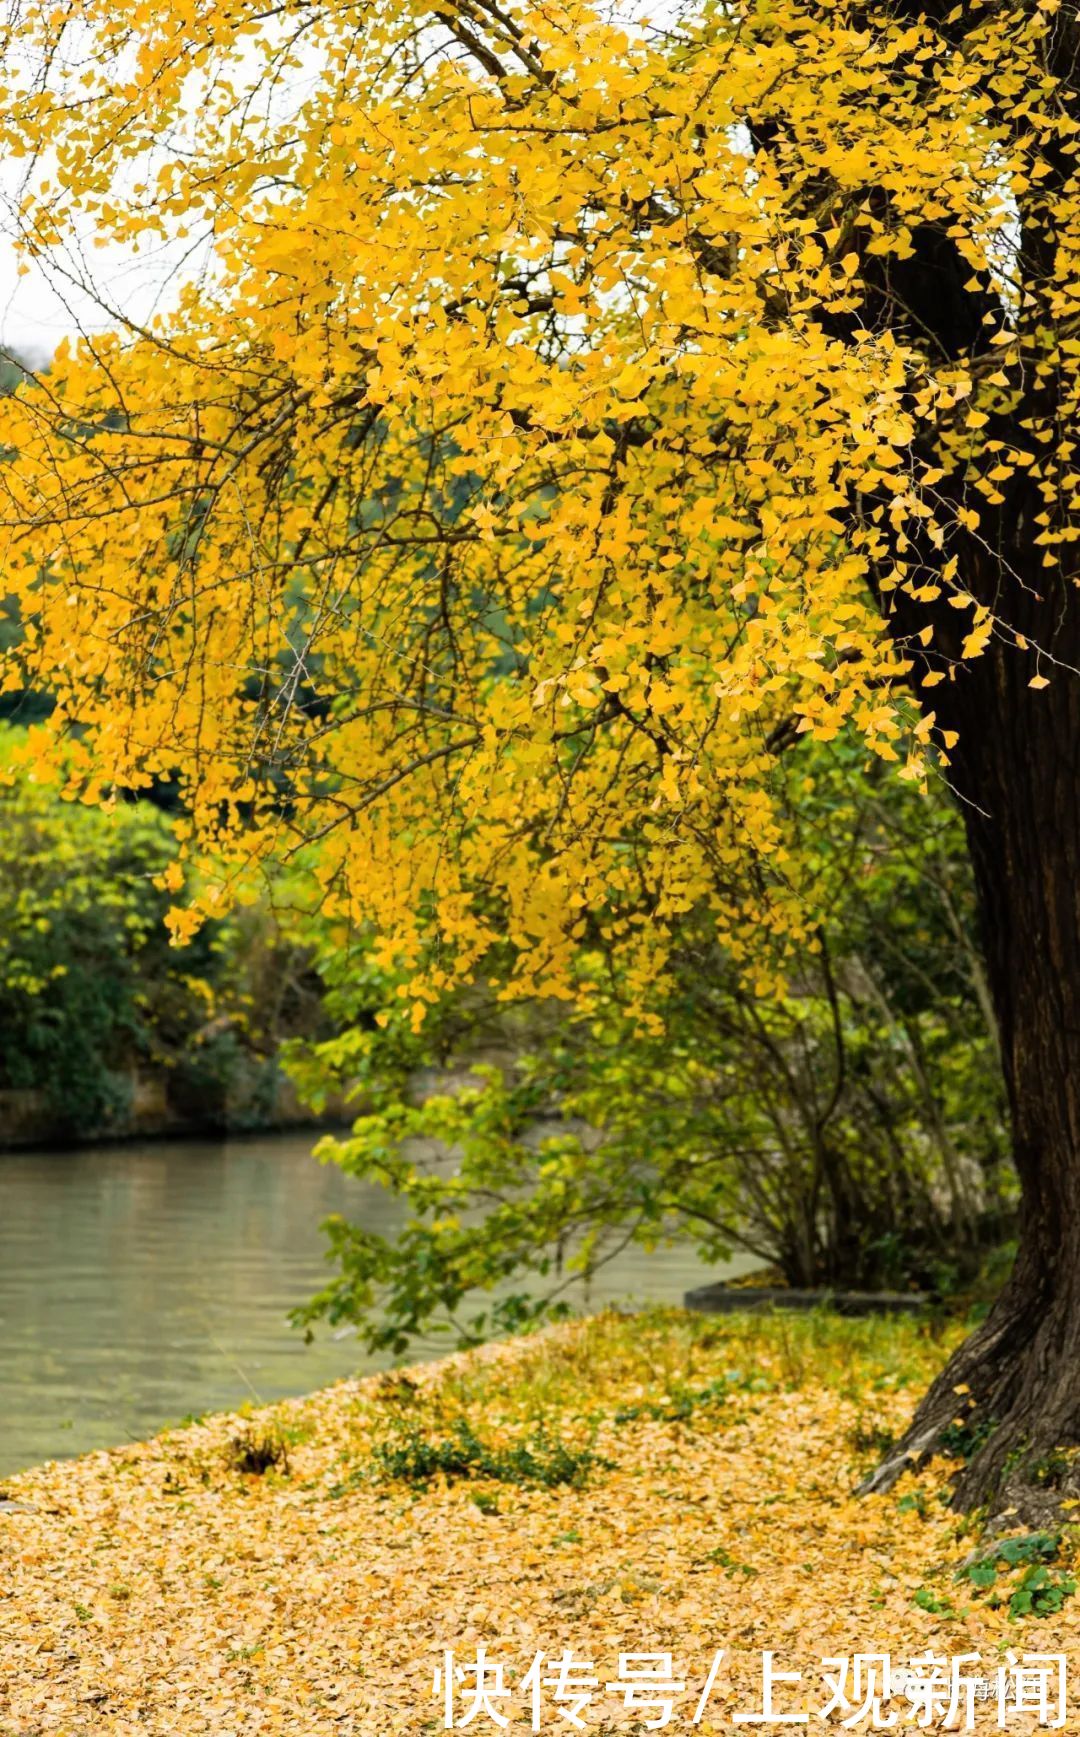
<point>91,988</point>
<point>88,981</point>
<point>542,1461</point>
<point>845,1130</point>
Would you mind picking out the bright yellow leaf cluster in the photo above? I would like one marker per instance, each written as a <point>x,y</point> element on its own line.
<point>533,462</point>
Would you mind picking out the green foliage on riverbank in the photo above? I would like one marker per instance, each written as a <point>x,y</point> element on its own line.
<point>87,979</point>
<point>91,989</point>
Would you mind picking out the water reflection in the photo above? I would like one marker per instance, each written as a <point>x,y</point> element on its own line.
<point>139,1284</point>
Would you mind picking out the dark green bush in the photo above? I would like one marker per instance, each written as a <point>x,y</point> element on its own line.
<point>542,1461</point>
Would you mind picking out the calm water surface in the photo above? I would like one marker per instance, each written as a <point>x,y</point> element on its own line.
<point>139,1284</point>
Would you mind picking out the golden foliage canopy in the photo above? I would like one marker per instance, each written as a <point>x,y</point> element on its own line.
<point>552,436</point>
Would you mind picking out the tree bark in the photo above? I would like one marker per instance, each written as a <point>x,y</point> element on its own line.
<point>1014,1387</point>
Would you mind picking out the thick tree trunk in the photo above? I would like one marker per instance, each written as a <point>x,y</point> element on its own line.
<point>1015,1385</point>
<point>1017,768</point>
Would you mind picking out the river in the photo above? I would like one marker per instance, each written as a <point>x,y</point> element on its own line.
<point>140,1284</point>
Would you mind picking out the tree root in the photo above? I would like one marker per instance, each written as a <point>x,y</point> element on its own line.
<point>1007,1404</point>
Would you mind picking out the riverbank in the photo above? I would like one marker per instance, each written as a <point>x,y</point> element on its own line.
<point>161,1104</point>
<point>663,1483</point>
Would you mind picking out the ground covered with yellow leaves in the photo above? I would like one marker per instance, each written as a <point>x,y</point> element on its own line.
<point>657,1485</point>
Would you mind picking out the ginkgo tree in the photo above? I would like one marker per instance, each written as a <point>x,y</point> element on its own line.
<point>571,412</point>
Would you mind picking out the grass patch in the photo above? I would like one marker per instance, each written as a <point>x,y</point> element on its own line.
<point>540,1461</point>
<point>684,1403</point>
<point>612,1362</point>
